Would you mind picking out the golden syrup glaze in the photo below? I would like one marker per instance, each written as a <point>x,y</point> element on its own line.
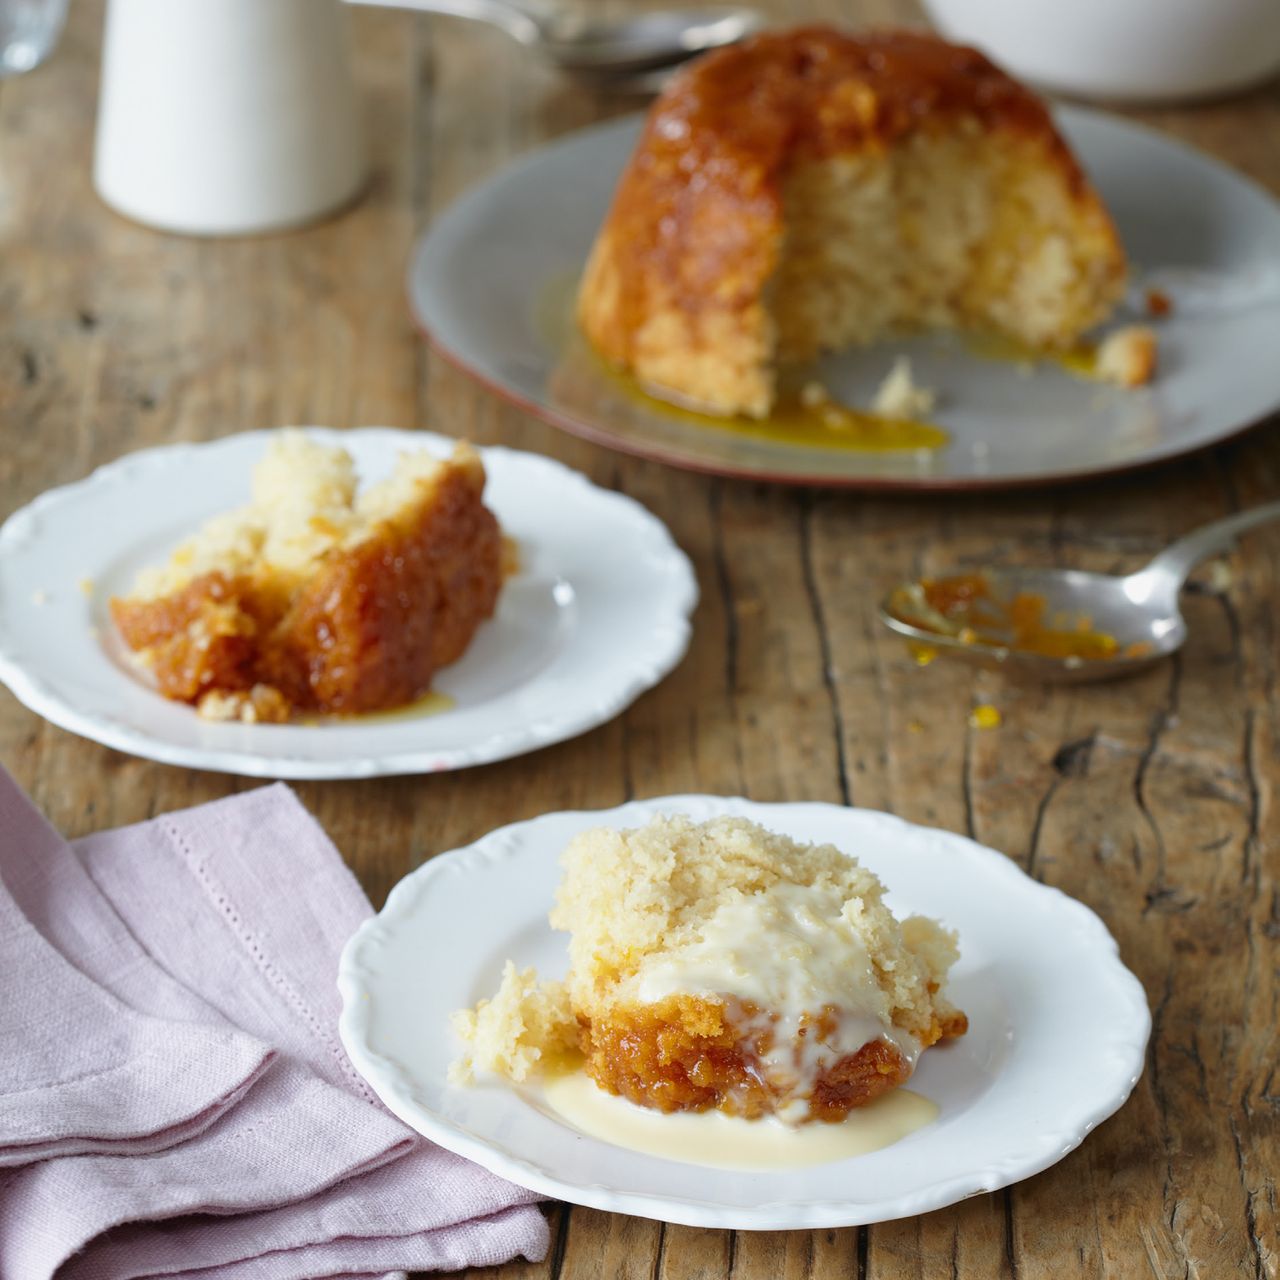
<point>923,654</point>
<point>1081,360</point>
<point>963,607</point>
<point>824,425</point>
<point>737,121</point>
<point>829,425</point>
<point>985,716</point>
<point>430,703</point>
<point>363,628</point>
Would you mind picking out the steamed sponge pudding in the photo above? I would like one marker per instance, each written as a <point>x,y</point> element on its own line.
<point>718,965</point>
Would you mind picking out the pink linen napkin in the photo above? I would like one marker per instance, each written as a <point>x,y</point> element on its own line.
<point>232,916</point>
<point>80,1070</point>
<point>71,1055</point>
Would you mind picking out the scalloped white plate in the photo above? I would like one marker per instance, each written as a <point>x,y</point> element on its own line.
<point>598,613</point>
<point>1057,1038</point>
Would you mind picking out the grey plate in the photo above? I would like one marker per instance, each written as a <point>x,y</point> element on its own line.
<point>490,284</point>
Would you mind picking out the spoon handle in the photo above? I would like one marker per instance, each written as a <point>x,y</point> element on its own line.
<point>517,20</point>
<point>1176,561</point>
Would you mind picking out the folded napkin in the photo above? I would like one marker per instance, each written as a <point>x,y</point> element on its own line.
<point>174,1098</point>
<point>70,1050</point>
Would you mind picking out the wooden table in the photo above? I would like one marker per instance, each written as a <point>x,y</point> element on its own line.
<point>1150,800</point>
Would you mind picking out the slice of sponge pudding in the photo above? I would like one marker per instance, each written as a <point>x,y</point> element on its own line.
<point>316,598</point>
<point>718,965</point>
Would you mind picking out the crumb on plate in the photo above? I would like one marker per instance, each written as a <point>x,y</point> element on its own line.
<point>900,396</point>
<point>1127,357</point>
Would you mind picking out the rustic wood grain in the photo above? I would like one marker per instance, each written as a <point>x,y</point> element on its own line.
<point>1150,800</point>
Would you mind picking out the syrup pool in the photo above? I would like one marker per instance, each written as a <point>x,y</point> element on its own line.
<point>795,420</point>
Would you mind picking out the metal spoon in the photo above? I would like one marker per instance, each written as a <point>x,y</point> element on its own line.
<point>602,48</point>
<point>1140,611</point>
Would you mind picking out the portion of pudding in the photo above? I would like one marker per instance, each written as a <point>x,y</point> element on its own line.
<point>718,965</point>
<point>315,599</point>
<point>810,190</point>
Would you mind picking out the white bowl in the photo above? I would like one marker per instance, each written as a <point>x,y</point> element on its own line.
<point>1122,50</point>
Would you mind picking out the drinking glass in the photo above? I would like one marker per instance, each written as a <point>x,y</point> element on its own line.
<point>28,31</point>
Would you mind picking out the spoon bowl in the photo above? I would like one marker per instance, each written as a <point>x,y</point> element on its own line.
<point>1098,604</point>
<point>601,48</point>
<point>1084,626</point>
<point>643,42</point>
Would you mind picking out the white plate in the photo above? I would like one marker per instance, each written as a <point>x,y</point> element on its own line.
<point>1057,1025</point>
<point>487,272</point>
<point>598,612</point>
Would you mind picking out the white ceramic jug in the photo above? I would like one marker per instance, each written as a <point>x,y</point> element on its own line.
<point>227,117</point>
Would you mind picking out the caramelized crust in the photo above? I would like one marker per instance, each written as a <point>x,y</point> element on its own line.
<point>675,288</point>
<point>692,1054</point>
<point>200,638</point>
<point>785,97</point>
<point>367,632</point>
<point>373,628</point>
